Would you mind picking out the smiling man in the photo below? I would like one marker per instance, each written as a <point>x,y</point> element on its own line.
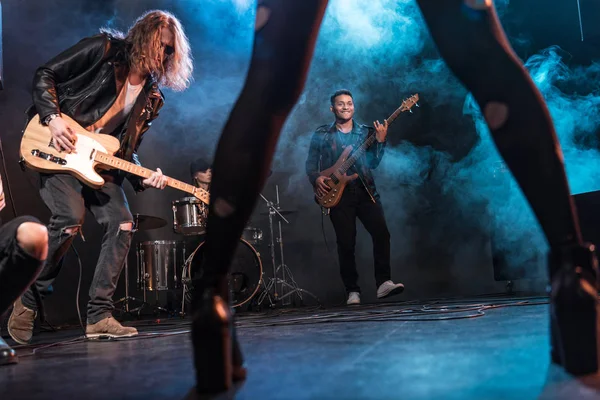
<point>360,198</point>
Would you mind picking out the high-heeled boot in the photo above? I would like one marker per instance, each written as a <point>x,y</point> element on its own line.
<point>574,308</point>
<point>211,337</point>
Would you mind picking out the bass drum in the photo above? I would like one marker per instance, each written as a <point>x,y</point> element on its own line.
<point>245,275</point>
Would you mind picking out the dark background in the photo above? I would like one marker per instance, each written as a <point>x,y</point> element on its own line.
<point>442,184</point>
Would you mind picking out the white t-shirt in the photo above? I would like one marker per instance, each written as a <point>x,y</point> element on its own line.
<point>120,109</point>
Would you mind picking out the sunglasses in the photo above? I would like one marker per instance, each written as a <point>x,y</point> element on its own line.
<point>168,49</point>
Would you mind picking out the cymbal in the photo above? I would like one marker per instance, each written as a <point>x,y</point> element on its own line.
<point>147,222</point>
<point>279,173</point>
<point>282,212</point>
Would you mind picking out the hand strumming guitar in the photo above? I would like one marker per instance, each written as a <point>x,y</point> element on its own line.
<point>321,186</point>
<point>64,137</point>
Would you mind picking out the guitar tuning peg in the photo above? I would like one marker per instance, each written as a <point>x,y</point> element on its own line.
<point>417,104</point>
<point>410,111</point>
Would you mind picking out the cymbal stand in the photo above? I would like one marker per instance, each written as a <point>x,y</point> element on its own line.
<point>125,300</point>
<point>286,283</point>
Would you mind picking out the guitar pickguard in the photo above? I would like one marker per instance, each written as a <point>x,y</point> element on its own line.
<point>83,157</point>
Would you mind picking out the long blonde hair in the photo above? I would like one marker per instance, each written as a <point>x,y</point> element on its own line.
<point>146,53</point>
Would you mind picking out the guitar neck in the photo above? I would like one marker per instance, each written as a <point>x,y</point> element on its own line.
<point>358,153</point>
<point>394,115</point>
<point>137,170</point>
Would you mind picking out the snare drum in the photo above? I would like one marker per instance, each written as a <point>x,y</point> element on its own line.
<point>189,216</point>
<point>245,275</point>
<point>160,264</point>
<point>252,235</point>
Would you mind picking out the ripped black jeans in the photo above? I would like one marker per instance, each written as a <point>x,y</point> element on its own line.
<point>67,199</point>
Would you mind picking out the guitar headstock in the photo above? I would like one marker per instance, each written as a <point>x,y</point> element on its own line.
<point>407,104</point>
<point>202,195</point>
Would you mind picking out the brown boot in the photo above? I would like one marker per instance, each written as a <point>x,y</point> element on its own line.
<point>109,327</point>
<point>20,323</point>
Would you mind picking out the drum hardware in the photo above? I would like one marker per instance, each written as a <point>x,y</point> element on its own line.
<point>252,235</point>
<point>140,223</point>
<point>160,264</point>
<point>280,212</point>
<point>189,216</point>
<point>279,289</point>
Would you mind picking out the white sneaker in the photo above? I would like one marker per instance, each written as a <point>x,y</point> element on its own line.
<point>389,288</point>
<point>353,298</point>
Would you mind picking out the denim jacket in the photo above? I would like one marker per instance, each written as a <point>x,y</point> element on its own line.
<point>326,147</point>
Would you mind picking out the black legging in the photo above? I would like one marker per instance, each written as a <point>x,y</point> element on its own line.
<point>281,56</point>
<point>473,44</point>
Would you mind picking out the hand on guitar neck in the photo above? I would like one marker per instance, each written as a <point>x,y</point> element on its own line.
<point>157,180</point>
<point>381,130</point>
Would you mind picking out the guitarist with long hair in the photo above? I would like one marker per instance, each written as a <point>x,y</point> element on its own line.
<point>359,199</point>
<point>108,84</point>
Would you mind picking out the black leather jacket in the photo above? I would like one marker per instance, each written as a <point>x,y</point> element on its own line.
<point>325,150</point>
<point>84,81</point>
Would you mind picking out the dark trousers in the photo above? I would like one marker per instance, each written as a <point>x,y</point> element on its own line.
<point>17,268</point>
<point>67,199</point>
<point>356,203</point>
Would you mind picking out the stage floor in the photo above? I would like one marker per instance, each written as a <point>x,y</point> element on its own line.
<point>478,348</point>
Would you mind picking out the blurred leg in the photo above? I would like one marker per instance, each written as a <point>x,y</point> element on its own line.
<point>471,40</point>
<point>284,41</point>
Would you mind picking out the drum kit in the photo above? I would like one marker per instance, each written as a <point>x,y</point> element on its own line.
<point>165,265</point>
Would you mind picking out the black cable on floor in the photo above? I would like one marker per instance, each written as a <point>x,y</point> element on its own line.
<point>407,312</point>
<point>424,313</point>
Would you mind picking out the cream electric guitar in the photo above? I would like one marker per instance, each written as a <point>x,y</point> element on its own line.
<point>93,150</point>
<point>337,179</point>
